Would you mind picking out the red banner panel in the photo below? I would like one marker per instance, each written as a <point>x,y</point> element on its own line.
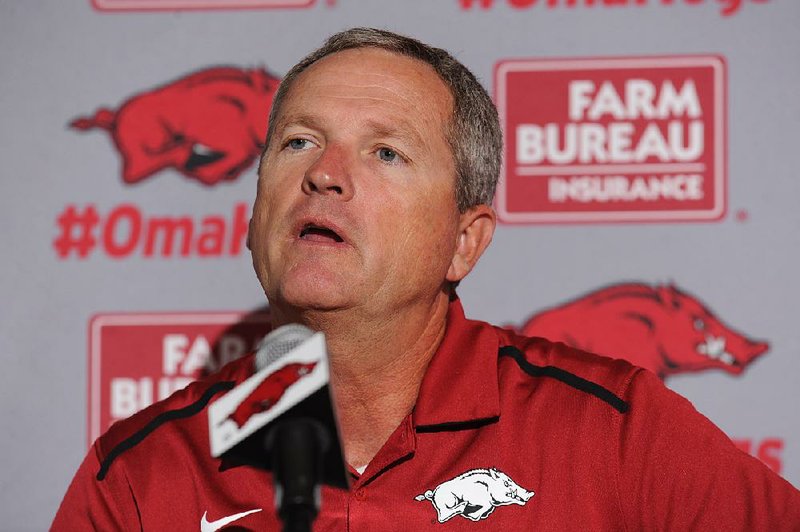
<point>154,5</point>
<point>612,139</point>
<point>138,359</point>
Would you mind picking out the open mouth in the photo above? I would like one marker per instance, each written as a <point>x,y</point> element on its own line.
<point>514,495</point>
<point>318,233</point>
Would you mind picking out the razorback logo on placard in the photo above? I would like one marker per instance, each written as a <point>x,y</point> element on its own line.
<point>209,125</point>
<point>270,391</point>
<point>660,328</point>
<point>612,139</point>
<point>176,5</point>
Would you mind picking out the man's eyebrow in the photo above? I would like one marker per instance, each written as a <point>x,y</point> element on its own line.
<point>303,120</point>
<point>395,130</point>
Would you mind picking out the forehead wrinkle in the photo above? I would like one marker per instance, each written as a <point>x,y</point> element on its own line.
<point>320,76</point>
<point>345,91</point>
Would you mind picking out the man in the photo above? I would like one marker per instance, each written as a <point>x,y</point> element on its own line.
<point>373,203</point>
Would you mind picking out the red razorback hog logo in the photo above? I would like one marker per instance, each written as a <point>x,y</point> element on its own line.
<point>209,125</point>
<point>659,328</point>
<point>270,391</point>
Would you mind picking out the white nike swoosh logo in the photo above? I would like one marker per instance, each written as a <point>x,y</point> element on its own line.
<point>213,526</point>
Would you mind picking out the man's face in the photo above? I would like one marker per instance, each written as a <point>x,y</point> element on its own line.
<point>356,196</point>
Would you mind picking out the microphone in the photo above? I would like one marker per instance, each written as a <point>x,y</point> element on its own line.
<point>282,419</point>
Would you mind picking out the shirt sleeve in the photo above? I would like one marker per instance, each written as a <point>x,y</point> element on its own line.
<point>92,504</point>
<point>678,471</point>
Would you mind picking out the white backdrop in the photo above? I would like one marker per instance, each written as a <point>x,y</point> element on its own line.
<point>85,238</point>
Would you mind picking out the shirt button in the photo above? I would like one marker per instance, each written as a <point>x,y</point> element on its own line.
<point>361,494</point>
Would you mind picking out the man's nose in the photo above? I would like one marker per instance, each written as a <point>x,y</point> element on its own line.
<point>330,175</point>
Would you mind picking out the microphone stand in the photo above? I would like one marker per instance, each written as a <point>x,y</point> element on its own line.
<point>297,446</point>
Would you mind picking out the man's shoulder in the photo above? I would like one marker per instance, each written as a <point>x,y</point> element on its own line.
<point>569,370</point>
<point>184,406</point>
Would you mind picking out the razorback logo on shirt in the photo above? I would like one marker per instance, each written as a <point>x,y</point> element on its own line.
<point>475,494</point>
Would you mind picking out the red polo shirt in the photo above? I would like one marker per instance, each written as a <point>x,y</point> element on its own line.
<point>508,433</point>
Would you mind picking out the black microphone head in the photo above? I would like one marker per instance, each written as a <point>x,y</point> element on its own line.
<point>280,342</point>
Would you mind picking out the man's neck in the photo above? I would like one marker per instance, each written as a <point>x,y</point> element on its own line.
<point>377,368</point>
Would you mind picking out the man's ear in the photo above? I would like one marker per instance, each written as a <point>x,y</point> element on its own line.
<point>249,233</point>
<point>475,230</point>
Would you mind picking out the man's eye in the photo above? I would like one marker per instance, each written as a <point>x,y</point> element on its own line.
<point>388,155</point>
<point>298,144</point>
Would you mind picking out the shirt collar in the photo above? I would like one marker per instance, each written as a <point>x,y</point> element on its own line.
<point>460,385</point>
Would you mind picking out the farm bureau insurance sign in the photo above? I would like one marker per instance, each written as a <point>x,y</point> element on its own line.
<point>136,359</point>
<point>612,139</point>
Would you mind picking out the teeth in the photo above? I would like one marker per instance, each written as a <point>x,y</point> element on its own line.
<point>308,228</point>
<point>202,149</point>
<point>714,348</point>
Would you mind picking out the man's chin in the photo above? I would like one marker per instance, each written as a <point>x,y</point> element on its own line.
<point>314,298</point>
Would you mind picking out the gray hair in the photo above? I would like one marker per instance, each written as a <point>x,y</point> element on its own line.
<point>473,132</point>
